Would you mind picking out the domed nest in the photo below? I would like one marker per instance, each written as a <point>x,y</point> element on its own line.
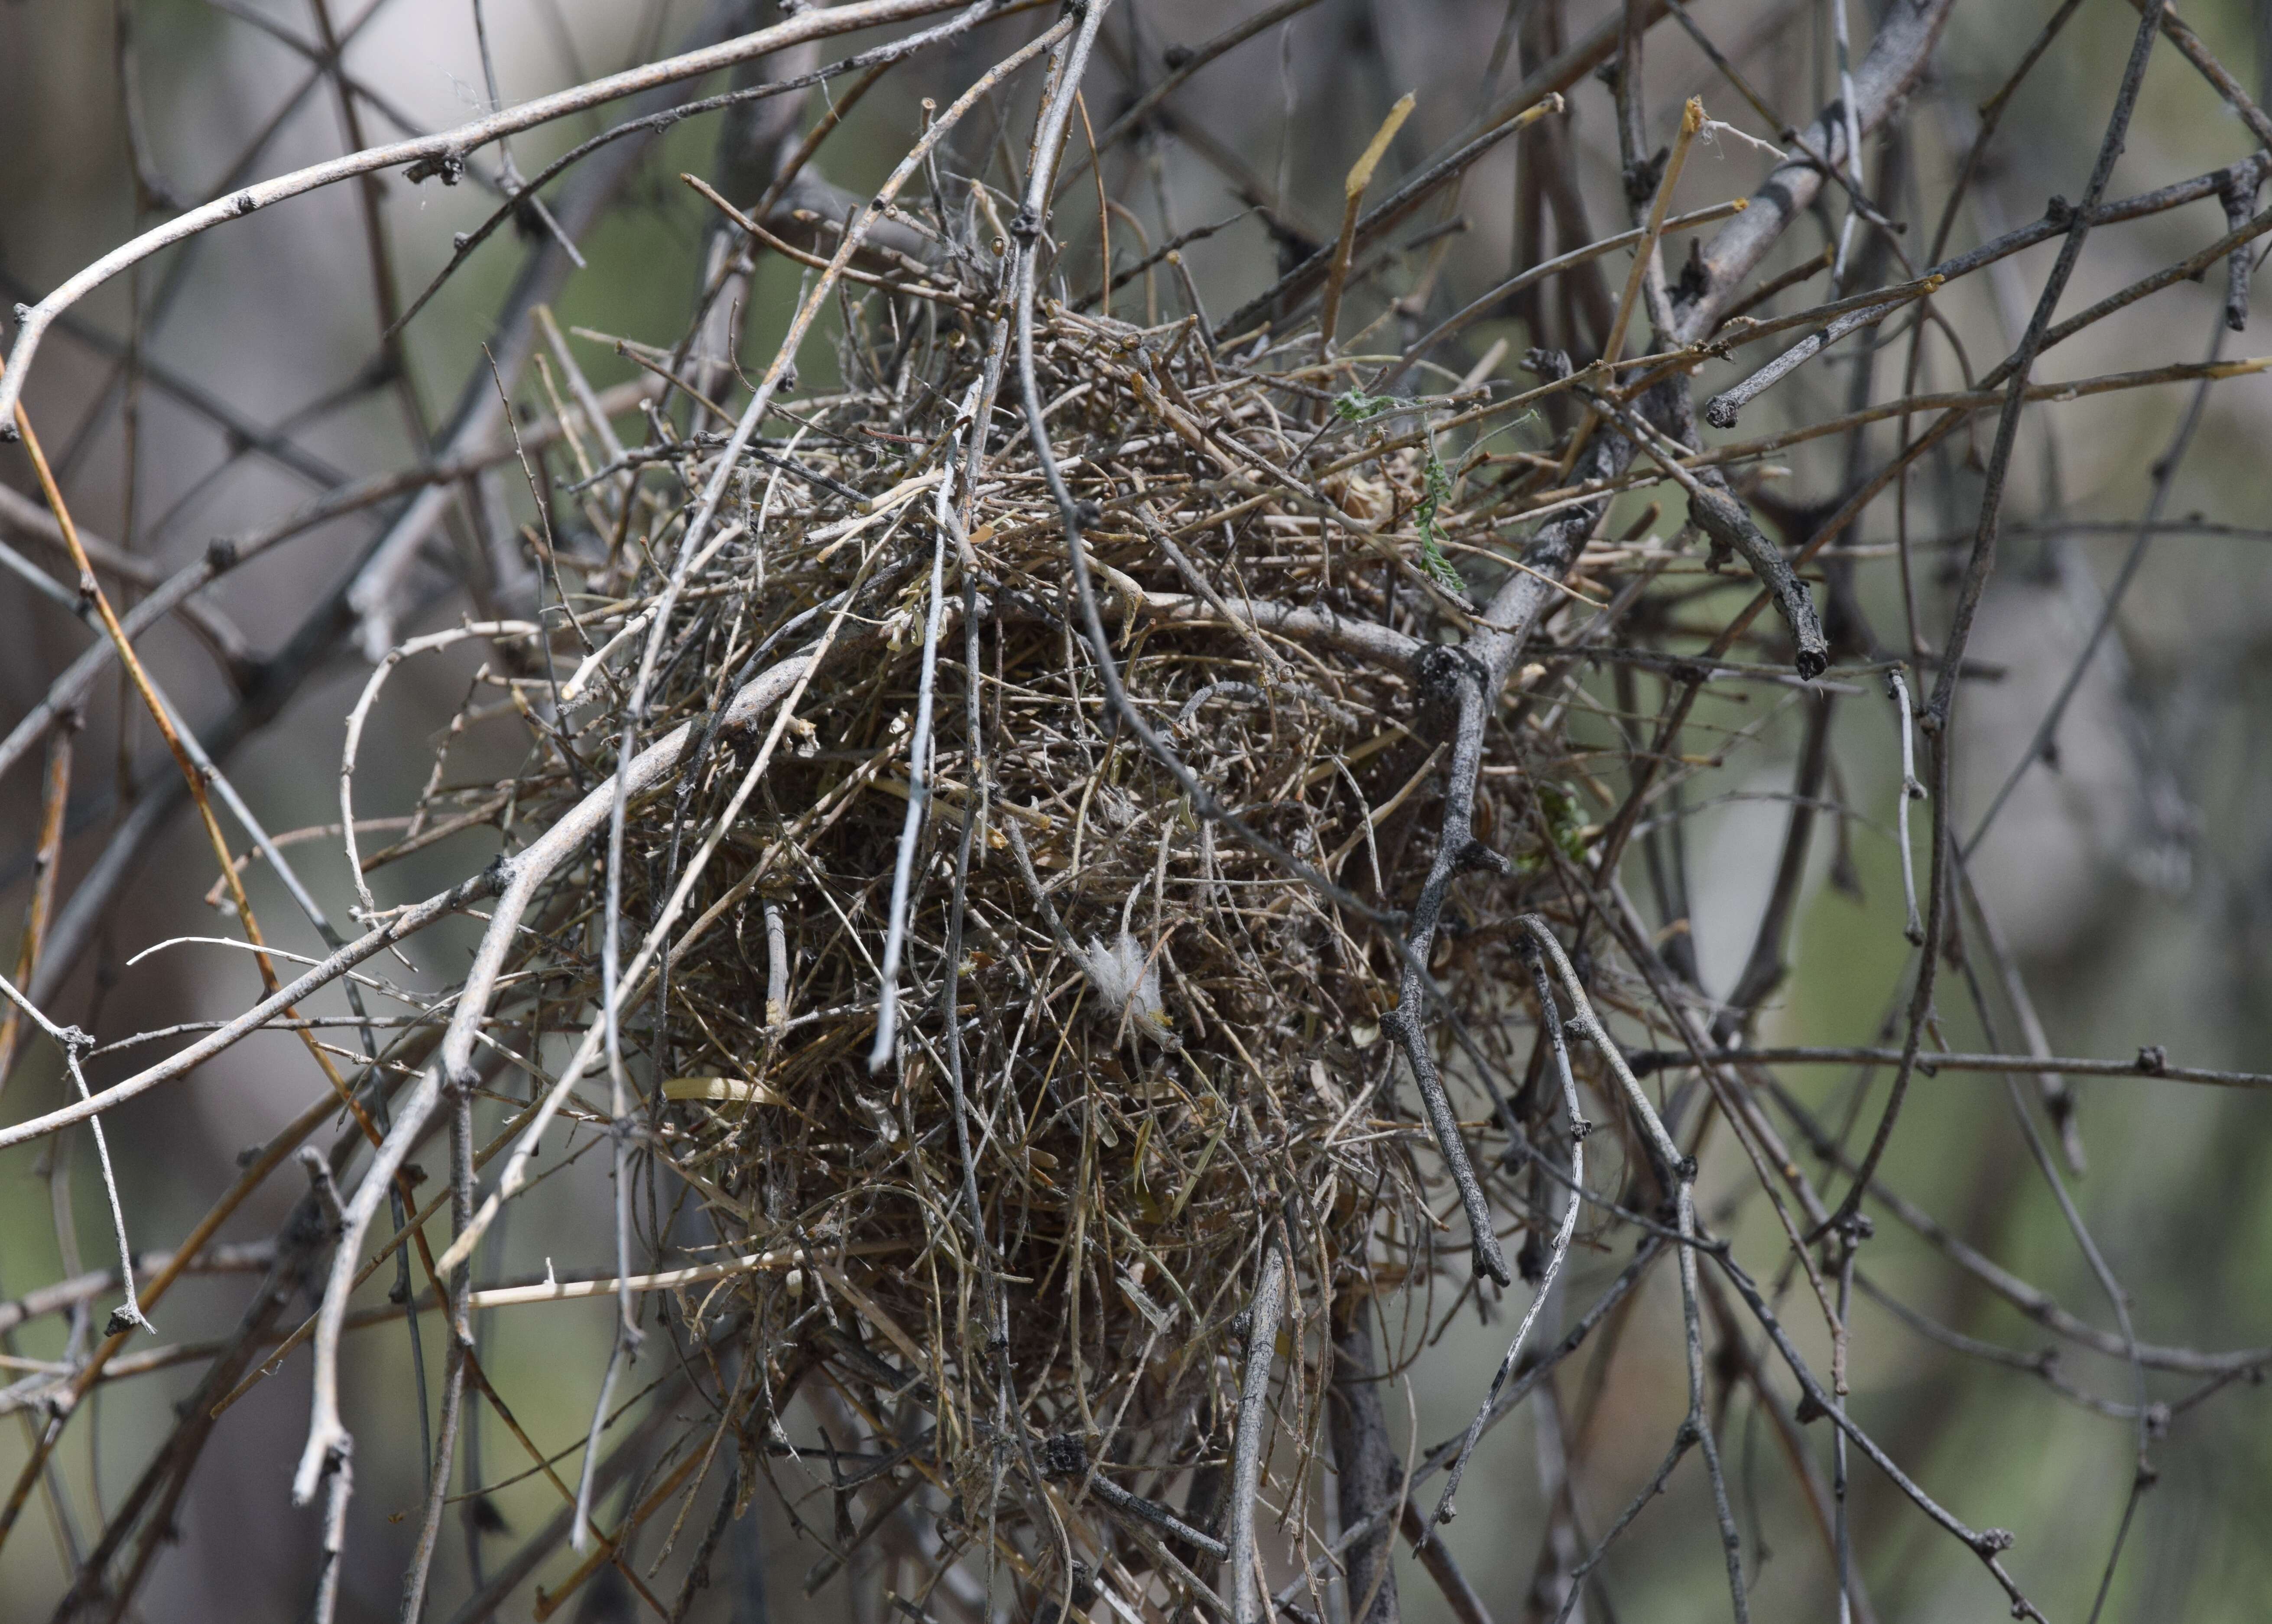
<point>1136,1038</point>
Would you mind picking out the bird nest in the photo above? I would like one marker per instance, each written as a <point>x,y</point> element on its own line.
<point>1127,910</point>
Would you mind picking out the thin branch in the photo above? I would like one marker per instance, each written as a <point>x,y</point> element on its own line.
<point>1263,1313</point>
<point>436,154</point>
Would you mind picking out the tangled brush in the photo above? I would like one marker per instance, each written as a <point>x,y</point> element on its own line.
<point>1053,874</point>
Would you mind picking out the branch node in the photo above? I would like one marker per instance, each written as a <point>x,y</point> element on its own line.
<point>449,166</point>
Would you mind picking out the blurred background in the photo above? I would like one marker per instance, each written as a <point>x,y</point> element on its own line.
<point>224,385</point>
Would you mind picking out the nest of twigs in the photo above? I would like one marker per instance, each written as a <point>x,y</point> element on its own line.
<point>1135,1049</point>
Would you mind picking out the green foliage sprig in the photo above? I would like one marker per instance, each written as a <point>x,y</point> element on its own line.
<point>1565,825</point>
<point>1355,406</point>
<point>1437,492</point>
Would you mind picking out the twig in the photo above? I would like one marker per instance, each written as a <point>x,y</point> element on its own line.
<point>73,1042</point>
<point>1847,100</point>
<point>919,754</point>
<point>1549,80</point>
<point>1899,52</point>
<point>1353,188</point>
<point>1200,55</point>
<point>360,712</point>
<point>2151,1062</point>
<point>1730,524</point>
<point>1765,966</point>
<point>1263,1315</point>
<point>2040,744</point>
<point>1369,1477</point>
<point>1722,410</point>
<point>1691,120</point>
<point>1897,689</point>
<point>2035,1305</point>
<point>437,154</point>
<point>1550,1022</point>
<point>2059,1098</point>
<point>1941,713</point>
<point>1986,1544</point>
<point>1484,304</point>
<point>55,800</point>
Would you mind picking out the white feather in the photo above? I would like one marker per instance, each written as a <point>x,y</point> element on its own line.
<point>1128,984</point>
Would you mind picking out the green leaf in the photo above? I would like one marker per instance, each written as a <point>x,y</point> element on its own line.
<point>1565,825</point>
<point>1440,568</point>
<point>1438,488</point>
<point>1354,406</point>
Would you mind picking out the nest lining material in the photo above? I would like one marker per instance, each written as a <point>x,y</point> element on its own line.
<point>1170,1050</point>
